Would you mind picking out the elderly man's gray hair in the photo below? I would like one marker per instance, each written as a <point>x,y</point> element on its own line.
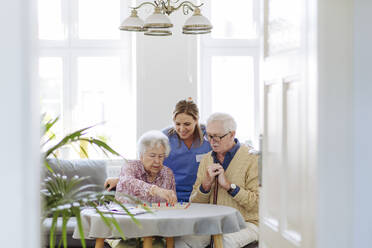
<point>152,139</point>
<point>227,120</point>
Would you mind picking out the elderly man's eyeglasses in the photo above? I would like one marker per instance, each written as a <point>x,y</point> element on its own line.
<point>154,156</point>
<point>215,137</point>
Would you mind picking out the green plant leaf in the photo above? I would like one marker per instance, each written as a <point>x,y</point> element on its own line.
<point>51,137</point>
<point>110,221</point>
<point>76,212</point>
<point>68,139</point>
<point>101,145</point>
<point>49,124</point>
<point>52,229</point>
<point>84,151</point>
<point>104,218</point>
<point>65,219</point>
<point>66,197</point>
<point>47,165</point>
<point>117,226</point>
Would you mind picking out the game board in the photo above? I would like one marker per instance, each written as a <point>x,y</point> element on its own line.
<point>116,209</point>
<point>166,205</point>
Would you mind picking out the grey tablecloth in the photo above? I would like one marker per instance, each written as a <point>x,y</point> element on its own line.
<point>198,219</point>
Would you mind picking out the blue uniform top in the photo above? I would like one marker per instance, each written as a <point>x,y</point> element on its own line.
<point>184,163</point>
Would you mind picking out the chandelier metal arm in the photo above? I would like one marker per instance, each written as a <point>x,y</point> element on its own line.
<point>186,8</point>
<point>188,4</point>
<point>168,8</point>
<point>144,3</point>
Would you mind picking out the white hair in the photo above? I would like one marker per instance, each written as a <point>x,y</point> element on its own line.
<point>227,120</point>
<point>152,139</point>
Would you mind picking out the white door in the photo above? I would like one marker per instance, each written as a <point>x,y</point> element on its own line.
<point>286,215</point>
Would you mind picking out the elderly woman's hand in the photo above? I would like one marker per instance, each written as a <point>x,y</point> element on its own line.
<point>111,183</point>
<point>166,194</point>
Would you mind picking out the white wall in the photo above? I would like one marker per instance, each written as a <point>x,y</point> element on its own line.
<point>345,121</point>
<point>362,213</point>
<point>166,73</point>
<point>335,122</point>
<point>19,125</point>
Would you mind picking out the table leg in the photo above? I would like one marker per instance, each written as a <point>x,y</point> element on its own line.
<point>217,239</point>
<point>147,242</point>
<point>99,243</point>
<point>170,242</point>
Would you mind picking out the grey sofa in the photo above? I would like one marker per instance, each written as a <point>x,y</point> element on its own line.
<point>96,170</point>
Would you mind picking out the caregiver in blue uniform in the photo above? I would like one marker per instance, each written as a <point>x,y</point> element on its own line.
<point>188,145</point>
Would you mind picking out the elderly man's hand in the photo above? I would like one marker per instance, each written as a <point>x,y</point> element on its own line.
<point>213,170</point>
<point>222,180</point>
<point>111,183</point>
<point>166,194</point>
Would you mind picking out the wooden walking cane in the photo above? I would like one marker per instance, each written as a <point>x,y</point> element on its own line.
<point>215,194</point>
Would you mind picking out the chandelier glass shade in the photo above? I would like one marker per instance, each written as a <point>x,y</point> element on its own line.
<point>158,20</point>
<point>133,23</point>
<point>159,24</point>
<point>197,24</point>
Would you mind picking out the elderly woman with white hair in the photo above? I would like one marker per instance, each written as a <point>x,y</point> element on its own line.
<point>148,179</point>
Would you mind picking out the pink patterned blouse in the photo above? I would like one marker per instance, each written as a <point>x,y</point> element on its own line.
<point>133,180</point>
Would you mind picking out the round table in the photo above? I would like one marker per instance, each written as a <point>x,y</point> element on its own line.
<point>197,219</point>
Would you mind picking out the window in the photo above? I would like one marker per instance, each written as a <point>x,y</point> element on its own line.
<point>229,66</point>
<point>233,20</point>
<point>84,71</point>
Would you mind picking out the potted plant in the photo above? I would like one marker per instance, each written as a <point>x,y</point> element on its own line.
<point>63,197</point>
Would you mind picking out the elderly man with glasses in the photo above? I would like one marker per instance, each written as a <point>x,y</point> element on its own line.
<point>228,175</point>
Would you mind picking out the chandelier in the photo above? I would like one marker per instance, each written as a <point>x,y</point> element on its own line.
<point>158,24</point>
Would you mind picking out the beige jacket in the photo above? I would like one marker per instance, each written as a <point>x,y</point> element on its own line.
<point>242,171</point>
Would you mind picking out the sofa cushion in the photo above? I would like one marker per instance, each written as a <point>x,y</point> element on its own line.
<point>94,169</point>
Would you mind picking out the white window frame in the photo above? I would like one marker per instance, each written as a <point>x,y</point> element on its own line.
<point>210,47</point>
<point>72,48</point>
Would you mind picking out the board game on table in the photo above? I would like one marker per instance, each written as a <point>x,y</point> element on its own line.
<point>166,205</point>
